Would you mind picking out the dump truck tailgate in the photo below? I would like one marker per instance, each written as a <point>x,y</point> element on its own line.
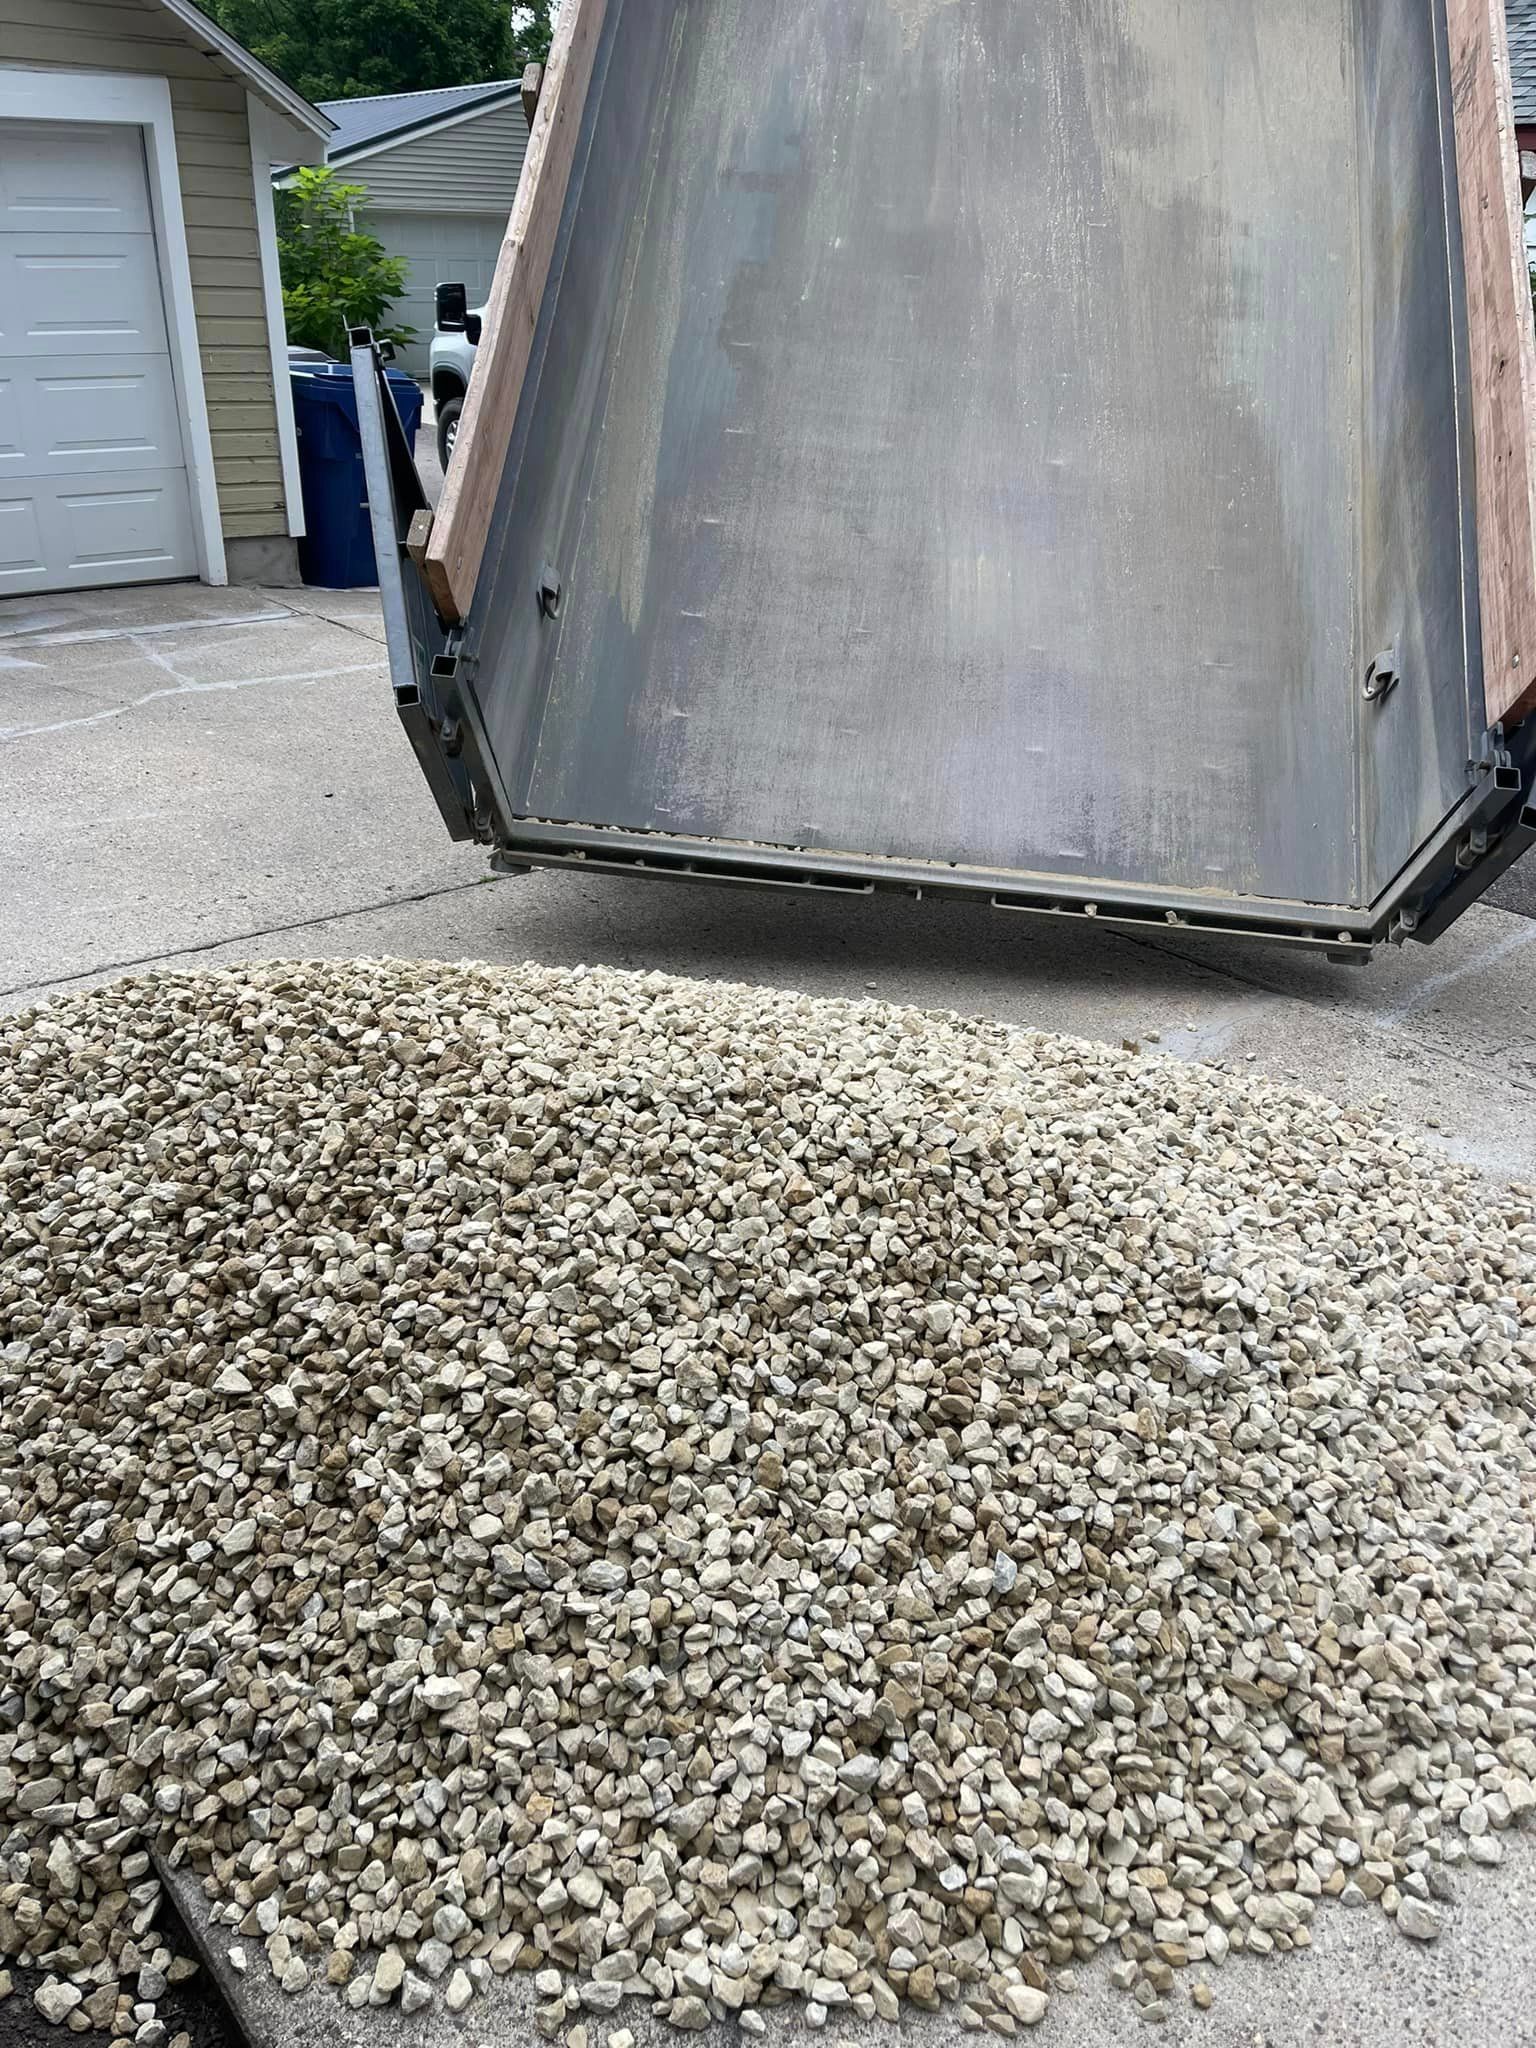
<point>1019,450</point>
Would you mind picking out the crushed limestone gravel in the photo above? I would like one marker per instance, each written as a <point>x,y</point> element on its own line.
<point>717,1497</point>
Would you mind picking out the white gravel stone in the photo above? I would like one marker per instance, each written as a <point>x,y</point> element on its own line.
<point>440,1695</point>
<point>742,1493</point>
<point>434,1958</point>
<point>239,1538</point>
<point>55,2000</point>
<point>1420,1920</point>
<point>1028,2006</point>
<point>388,1975</point>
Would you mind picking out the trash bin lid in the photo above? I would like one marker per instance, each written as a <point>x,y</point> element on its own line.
<point>330,384</point>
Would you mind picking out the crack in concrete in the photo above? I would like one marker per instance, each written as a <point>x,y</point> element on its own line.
<point>341,625</point>
<point>1437,984</point>
<point>46,636</point>
<point>40,990</point>
<point>184,686</point>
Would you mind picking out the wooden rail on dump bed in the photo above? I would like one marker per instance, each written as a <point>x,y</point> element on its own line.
<point>456,544</point>
<point>1503,341</point>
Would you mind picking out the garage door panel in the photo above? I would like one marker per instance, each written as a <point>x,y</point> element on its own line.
<point>438,238</point>
<point>128,522</point>
<point>57,178</point>
<point>78,414</point>
<point>438,249</point>
<point>416,309</point>
<point>94,294</point>
<point>127,528</point>
<point>23,562</point>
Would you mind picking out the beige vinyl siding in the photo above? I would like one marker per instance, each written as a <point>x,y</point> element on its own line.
<point>213,151</point>
<point>470,166</point>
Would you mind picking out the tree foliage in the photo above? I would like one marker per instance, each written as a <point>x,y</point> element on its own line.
<point>333,277</point>
<point>343,49</point>
<point>532,29</point>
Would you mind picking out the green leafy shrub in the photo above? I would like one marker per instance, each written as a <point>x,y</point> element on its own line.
<point>333,276</point>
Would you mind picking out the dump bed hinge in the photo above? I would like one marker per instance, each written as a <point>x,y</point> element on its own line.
<point>1498,828</point>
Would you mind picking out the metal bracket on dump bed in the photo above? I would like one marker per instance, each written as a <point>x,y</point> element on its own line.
<point>440,719</point>
<point>1477,845</point>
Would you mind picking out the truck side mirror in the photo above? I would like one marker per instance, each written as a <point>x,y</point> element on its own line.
<point>452,308</point>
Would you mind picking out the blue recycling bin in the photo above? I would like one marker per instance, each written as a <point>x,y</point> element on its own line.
<point>337,548</point>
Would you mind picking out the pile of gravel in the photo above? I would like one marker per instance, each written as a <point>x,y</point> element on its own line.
<point>719,1497</point>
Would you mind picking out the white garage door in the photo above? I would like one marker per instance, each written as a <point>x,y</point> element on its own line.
<point>93,482</point>
<point>439,248</point>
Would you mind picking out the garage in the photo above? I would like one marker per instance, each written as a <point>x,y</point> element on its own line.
<point>93,474</point>
<point>146,424</point>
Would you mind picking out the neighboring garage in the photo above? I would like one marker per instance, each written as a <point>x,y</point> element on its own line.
<point>440,170</point>
<point>146,424</point>
<point>439,248</point>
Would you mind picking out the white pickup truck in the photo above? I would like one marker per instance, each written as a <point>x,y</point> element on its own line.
<point>452,359</point>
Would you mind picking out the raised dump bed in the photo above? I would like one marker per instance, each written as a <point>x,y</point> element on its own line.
<point>1070,453</point>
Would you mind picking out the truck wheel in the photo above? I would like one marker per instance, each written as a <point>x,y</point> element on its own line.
<point>447,428</point>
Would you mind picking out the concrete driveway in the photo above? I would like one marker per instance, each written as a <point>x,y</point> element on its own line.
<point>194,775</point>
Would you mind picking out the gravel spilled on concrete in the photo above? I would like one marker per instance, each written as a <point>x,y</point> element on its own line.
<point>717,1497</point>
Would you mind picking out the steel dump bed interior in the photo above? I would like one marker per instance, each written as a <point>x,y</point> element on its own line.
<point>1017,449</point>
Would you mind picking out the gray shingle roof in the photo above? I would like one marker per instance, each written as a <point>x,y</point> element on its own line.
<point>1522,51</point>
<point>401,113</point>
